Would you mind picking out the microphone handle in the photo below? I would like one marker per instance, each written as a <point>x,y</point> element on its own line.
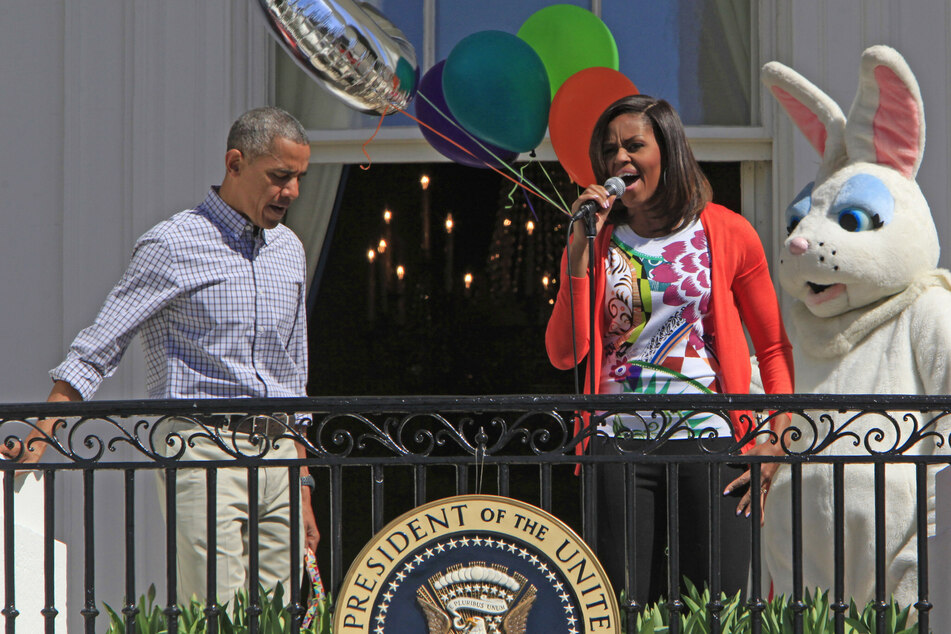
<point>590,220</point>
<point>614,187</point>
<point>588,208</point>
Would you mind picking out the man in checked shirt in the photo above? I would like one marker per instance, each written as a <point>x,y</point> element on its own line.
<point>217,293</point>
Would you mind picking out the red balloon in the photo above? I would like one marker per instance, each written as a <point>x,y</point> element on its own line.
<point>574,111</point>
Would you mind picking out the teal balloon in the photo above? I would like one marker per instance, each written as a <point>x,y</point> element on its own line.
<point>496,86</point>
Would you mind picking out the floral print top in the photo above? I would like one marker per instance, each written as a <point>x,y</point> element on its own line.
<point>659,341</point>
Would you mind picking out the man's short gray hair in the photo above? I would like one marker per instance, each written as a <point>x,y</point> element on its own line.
<point>254,133</point>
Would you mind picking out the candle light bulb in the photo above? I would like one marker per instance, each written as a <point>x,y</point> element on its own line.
<point>449,223</point>
<point>387,214</point>
<point>545,281</point>
<point>424,182</point>
<point>529,227</point>
<point>400,272</point>
<point>467,279</point>
<point>371,255</point>
<point>382,246</point>
<point>506,222</point>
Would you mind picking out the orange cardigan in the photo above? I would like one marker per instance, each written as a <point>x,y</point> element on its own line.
<point>741,293</point>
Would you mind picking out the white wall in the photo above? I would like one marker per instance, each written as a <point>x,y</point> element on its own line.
<point>113,116</point>
<point>823,40</point>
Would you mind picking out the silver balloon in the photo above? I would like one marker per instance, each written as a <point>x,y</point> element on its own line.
<point>350,48</point>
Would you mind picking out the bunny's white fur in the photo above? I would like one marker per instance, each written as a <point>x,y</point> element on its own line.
<point>872,317</point>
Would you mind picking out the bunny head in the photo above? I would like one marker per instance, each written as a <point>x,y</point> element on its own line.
<point>862,230</point>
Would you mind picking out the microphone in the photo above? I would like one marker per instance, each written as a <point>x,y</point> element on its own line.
<point>615,186</point>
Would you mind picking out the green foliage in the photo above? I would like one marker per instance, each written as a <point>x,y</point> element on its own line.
<point>273,619</point>
<point>778,616</point>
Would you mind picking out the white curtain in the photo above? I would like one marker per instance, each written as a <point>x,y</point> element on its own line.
<point>723,72</point>
<point>310,216</point>
<point>316,108</point>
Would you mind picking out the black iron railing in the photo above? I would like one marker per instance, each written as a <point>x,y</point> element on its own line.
<point>377,457</point>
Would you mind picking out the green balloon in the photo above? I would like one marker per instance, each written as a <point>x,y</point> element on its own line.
<point>568,39</point>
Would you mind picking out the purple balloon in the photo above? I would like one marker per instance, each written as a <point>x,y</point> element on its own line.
<point>430,87</point>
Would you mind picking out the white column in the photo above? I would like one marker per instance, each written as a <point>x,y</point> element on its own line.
<point>29,582</point>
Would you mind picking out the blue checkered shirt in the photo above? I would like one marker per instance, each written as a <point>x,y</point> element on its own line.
<point>220,306</point>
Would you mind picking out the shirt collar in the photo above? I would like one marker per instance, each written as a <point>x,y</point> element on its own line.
<point>233,221</point>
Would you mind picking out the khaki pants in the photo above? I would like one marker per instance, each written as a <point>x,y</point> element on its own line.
<point>233,546</point>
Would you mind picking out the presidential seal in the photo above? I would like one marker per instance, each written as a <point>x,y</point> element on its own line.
<point>476,564</point>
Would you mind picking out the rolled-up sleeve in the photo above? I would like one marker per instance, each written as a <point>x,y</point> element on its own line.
<point>148,285</point>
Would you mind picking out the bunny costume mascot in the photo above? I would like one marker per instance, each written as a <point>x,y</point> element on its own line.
<point>872,316</point>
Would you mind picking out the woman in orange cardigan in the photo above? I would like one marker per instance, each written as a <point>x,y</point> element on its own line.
<point>676,278</point>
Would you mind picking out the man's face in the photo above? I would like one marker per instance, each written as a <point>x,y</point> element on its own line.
<point>263,187</point>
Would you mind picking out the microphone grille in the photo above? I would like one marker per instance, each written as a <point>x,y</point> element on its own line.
<point>615,185</point>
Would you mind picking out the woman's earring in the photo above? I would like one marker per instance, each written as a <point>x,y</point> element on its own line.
<point>664,174</point>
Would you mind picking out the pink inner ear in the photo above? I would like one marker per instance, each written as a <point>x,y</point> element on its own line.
<point>896,126</point>
<point>804,118</point>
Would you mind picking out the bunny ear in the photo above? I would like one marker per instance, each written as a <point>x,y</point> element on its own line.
<point>887,121</point>
<point>813,112</point>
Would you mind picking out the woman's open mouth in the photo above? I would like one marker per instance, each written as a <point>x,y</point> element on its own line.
<point>629,180</point>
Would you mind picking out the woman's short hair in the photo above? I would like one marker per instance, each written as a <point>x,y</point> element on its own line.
<point>254,132</point>
<point>683,190</point>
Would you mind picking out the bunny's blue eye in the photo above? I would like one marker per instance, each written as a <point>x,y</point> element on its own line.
<point>858,219</point>
<point>792,221</point>
<point>864,203</point>
<point>799,207</point>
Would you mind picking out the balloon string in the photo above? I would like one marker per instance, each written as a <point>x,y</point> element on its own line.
<point>531,207</point>
<point>455,123</point>
<point>535,189</point>
<point>521,176</point>
<point>531,187</point>
<point>379,123</point>
<point>511,194</point>
<point>548,176</point>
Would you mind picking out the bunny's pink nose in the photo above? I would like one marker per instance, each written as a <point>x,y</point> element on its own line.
<point>798,245</point>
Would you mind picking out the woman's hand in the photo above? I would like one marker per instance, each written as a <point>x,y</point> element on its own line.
<point>767,470</point>
<point>579,252</point>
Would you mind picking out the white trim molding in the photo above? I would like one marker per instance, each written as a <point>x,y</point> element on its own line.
<point>407,145</point>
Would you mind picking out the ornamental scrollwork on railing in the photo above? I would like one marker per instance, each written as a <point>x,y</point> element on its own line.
<point>429,427</point>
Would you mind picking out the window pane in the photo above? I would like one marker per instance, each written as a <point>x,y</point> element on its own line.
<point>696,54</point>
<point>455,19</point>
<point>693,53</point>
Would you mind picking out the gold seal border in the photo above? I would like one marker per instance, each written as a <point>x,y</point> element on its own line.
<point>443,518</point>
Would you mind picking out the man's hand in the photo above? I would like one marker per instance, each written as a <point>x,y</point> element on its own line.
<point>29,451</point>
<point>311,533</point>
<point>16,449</point>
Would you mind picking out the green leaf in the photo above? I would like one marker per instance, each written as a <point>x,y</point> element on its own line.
<point>858,625</point>
<point>116,624</point>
